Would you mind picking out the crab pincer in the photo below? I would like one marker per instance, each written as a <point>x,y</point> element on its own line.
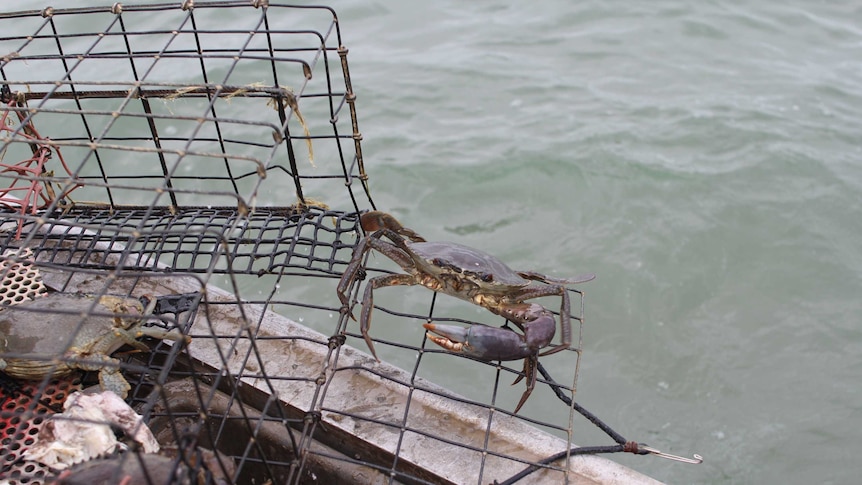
<point>491,343</point>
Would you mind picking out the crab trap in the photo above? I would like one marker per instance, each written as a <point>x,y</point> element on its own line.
<point>182,185</point>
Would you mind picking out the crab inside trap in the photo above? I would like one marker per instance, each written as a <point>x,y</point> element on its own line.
<point>207,159</point>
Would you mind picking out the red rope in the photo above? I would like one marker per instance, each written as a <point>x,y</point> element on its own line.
<point>29,189</point>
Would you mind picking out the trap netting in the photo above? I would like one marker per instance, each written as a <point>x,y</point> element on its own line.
<point>182,185</point>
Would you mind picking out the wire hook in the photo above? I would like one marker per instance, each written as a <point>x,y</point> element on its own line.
<point>697,460</point>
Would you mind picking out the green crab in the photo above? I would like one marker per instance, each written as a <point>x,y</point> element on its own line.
<point>61,332</point>
<point>474,276</point>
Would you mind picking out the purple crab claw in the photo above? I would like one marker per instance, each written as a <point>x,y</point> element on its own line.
<point>492,343</point>
<point>486,343</point>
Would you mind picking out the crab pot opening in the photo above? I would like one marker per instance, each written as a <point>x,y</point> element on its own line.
<point>180,193</point>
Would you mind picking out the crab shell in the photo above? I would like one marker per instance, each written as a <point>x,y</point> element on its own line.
<point>487,273</point>
<point>55,334</point>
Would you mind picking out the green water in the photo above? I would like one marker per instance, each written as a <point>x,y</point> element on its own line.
<point>704,161</point>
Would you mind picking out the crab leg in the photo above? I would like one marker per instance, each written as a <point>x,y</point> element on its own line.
<point>532,275</point>
<point>368,302</point>
<point>110,378</point>
<point>384,226</point>
<point>556,286</point>
<point>517,313</point>
<point>379,224</point>
<point>530,364</point>
<point>373,241</point>
<point>350,272</point>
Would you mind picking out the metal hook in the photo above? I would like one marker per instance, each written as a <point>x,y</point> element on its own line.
<point>696,460</point>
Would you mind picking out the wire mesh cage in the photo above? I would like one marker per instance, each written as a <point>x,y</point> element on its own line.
<point>180,193</point>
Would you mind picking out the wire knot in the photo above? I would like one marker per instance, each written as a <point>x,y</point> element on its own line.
<point>336,341</point>
<point>313,418</point>
<point>632,447</point>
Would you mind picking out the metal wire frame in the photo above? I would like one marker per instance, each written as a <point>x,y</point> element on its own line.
<point>154,55</point>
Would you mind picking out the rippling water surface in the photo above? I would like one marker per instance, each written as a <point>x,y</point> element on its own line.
<point>703,160</point>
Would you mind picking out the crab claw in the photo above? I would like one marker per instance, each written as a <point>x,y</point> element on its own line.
<point>375,220</point>
<point>491,343</point>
